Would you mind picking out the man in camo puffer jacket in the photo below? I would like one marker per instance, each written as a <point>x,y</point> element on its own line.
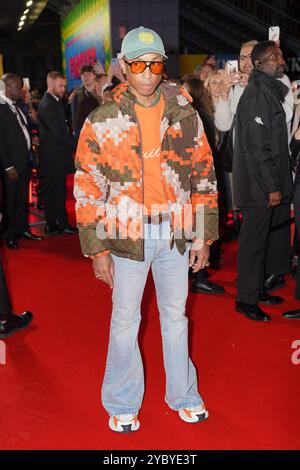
<point>145,187</point>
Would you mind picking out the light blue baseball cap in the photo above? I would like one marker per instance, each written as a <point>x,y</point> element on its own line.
<point>140,41</point>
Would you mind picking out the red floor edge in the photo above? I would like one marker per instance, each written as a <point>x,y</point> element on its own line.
<point>50,384</point>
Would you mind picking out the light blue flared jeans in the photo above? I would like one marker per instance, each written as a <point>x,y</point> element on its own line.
<point>123,385</point>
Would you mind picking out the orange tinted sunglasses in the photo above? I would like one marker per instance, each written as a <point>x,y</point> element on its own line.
<point>139,66</point>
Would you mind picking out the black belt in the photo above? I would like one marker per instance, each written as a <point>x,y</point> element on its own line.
<point>156,218</point>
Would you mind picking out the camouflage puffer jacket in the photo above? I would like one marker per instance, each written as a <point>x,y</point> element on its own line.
<point>108,183</point>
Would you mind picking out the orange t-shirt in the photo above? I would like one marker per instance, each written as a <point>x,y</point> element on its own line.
<point>149,119</point>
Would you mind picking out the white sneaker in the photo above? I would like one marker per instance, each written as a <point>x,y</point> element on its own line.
<point>124,423</point>
<point>194,414</point>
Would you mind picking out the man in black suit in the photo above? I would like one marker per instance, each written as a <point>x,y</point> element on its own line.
<point>15,144</point>
<point>9,322</point>
<point>56,146</point>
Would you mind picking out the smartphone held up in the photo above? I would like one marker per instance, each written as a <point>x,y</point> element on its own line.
<point>26,83</point>
<point>274,33</point>
<point>232,66</point>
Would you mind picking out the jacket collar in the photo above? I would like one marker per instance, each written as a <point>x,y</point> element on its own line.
<point>271,85</point>
<point>5,100</point>
<point>177,101</point>
<point>52,97</point>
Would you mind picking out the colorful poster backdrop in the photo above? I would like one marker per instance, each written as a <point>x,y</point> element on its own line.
<point>85,35</point>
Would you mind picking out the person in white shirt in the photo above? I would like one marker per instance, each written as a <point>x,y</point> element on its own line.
<point>234,85</point>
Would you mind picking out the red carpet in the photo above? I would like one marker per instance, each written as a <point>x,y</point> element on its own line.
<point>50,385</point>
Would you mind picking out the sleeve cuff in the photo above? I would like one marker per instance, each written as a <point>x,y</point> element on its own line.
<point>197,244</point>
<point>91,245</point>
<point>98,255</point>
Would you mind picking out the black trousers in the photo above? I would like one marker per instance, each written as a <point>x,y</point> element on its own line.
<point>5,303</point>
<point>16,205</point>
<point>54,184</point>
<point>279,243</point>
<point>256,248</point>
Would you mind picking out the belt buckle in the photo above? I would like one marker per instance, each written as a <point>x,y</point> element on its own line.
<point>158,218</point>
<point>155,219</point>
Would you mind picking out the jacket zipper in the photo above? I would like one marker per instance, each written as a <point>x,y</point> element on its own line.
<point>172,236</point>
<point>143,194</point>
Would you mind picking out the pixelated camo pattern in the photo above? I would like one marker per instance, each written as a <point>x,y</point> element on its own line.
<point>108,183</point>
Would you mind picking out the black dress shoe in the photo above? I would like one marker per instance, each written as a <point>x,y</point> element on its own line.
<point>30,236</point>
<point>251,311</point>
<point>51,230</point>
<point>268,299</point>
<point>14,323</point>
<point>206,287</point>
<point>292,314</point>
<point>273,282</point>
<point>12,244</point>
<point>69,229</point>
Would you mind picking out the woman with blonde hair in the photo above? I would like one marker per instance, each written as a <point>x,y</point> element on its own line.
<point>213,84</point>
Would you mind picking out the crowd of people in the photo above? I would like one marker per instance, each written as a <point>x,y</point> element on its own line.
<point>166,170</point>
<point>38,136</point>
